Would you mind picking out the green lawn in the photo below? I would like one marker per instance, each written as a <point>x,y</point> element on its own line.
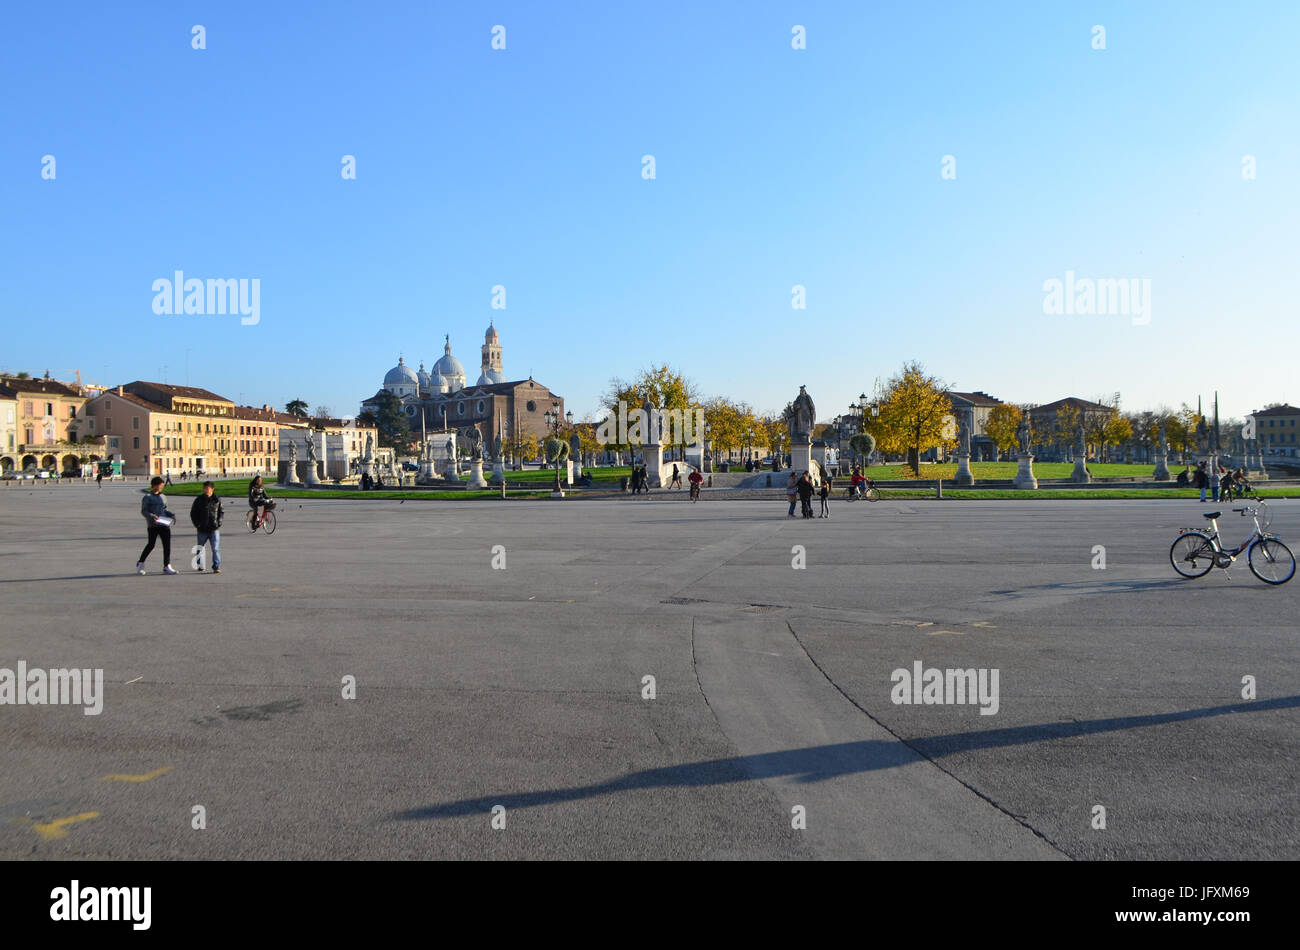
<point>605,474</point>
<point>238,488</point>
<point>1083,494</point>
<point>948,471</point>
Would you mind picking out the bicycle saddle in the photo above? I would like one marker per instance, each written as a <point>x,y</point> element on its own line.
<point>1212,515</point>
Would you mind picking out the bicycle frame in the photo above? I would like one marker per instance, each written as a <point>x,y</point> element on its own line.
<point>1255,534</point>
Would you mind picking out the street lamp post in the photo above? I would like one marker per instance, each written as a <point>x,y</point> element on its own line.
<point>749,444</point>
<point>708,449</point>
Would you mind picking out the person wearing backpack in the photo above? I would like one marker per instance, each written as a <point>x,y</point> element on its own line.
<point>206,513</point>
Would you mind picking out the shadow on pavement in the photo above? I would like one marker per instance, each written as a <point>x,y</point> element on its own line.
<point>819,763</point>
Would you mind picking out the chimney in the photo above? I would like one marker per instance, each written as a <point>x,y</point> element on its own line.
<point>265,407</point>
<point>119,391</point>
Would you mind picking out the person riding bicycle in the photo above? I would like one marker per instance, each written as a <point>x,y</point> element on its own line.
<point>695,478</point>
<point>258,500</point>
<point>858,483</point>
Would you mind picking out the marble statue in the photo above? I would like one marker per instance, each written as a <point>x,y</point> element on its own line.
<point>800,416</point>
<point>1022,433</point>
<point>475,439</point>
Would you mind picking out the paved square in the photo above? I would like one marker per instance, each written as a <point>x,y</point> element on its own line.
<point>523,687</point>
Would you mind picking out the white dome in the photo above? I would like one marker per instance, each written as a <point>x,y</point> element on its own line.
<point>424,379</point>
<point>491,335</point>
<point>488,377</point>
<point>437,382</point>
<point>401,374</point>
<point>450,367</point>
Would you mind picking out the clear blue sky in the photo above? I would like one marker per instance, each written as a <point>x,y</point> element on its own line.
<point>775,167</point>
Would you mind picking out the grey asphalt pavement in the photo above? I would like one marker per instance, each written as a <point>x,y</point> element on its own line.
<point>772,733</point>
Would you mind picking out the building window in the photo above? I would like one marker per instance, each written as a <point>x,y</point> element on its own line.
<point>481,407</point>
<point>108,404</point>
<point>135,422</point>
<point>135,441</point>
<point>460,408</point>
<point>49,408</point>
<point>108,422</point>
<point>532,406</point>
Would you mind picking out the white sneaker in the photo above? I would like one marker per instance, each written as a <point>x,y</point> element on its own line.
<point>139,567</point>
<point>169,569</point>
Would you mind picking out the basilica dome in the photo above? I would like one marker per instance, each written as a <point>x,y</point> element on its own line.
<point>400,375</point>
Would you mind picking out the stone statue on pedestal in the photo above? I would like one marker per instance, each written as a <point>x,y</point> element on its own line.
<point>801,416</point>
<point>963,439</point>
<point>370,447</point>
<point>1023,434</point>
<point>475,439</point>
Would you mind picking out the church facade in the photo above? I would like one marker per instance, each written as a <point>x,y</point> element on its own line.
<point>442,399</point>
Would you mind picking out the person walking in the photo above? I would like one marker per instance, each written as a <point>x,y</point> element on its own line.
<point>805,490</point>
<point>168,481</point>
<point>826,497</point>
<point>206,514</point>
<point>1201,480</point>
<point>99,478</point>
<point>792,491</point>
<point>1216,480</point>
<point>154,509</point>
<point>677,478</point>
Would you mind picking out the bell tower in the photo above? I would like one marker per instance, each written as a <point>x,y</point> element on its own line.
<point>492,366</point>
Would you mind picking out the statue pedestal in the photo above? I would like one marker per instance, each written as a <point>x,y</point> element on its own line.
<point>653,459</point>
<point>1025,475</point>
<point>1162,468</point>
<point>312,480</point>
<point>1080,474</point>
<point>964,476</point>
<point>290,474</point>
<point>476,479</point>
<point>801,457</point>
<point>498,471</point>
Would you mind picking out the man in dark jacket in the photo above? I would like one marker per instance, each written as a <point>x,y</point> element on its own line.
<point>206,514</point>
<point>805,489</point>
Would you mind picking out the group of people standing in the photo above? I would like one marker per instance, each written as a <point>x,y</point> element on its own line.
<point>1217,482</point>
<point>800,489</point>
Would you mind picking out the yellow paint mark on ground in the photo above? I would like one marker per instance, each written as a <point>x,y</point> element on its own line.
<point>983,623</point>
<point>59,827</point>
<point>926,624</point>
<point>951,633</point>
<point>138,778</point>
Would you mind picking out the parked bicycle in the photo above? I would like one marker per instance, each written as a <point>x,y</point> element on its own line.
<point>1195,551</point>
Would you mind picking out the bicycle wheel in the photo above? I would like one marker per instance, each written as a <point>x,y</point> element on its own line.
<point>873,494</point>
<point>268,522</point>
<point>1271,561</point>
<point>1192,554</point>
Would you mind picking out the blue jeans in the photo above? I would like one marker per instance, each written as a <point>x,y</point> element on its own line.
<point>215,538</point>
<point>793,499</point>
